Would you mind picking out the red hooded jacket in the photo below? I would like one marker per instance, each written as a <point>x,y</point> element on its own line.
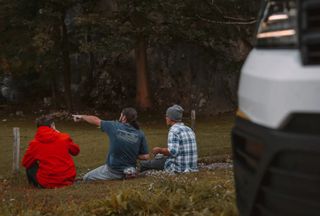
<point>52,150</point>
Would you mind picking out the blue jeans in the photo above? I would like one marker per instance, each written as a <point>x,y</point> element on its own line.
<point>103,173</point>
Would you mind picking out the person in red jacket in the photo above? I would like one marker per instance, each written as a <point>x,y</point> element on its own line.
<point>48,159</point>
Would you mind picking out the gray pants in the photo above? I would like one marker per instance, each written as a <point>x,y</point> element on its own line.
<point>103,173</point>
<point>154,164</point>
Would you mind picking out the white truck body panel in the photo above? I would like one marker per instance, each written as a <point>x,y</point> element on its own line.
<point>275,84</point>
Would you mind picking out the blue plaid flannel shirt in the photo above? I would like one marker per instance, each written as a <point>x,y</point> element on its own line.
<point>182,146</point>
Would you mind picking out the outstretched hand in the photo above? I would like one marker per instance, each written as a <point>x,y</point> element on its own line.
<point>156,150</point>
<point>77,118</point>
<point>87,118</point>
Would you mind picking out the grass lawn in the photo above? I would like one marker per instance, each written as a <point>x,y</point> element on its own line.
<point>209,192</point>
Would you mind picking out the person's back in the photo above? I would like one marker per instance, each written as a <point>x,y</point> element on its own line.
<point>181,153</point>
<point>183,148</point>
<point>126,143</point>
<point>49,154</point>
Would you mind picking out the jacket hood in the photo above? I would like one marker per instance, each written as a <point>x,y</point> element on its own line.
<point>46,134</point>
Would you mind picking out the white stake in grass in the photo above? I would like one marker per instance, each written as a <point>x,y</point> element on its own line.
<point>16,150</point>
<point>193,120</point>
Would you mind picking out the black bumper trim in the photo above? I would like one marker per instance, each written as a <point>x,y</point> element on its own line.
<point>278,160</point>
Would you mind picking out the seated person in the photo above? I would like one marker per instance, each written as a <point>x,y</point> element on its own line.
<point>181,154</point>
<point>48,160</point>
<point>127,145</point>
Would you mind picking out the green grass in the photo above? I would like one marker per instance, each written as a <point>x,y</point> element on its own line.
<point>204,193</point>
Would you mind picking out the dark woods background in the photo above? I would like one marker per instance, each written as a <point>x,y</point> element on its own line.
<point>107,54</point>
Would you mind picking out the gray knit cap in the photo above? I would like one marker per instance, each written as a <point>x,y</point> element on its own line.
<point>175,113</point>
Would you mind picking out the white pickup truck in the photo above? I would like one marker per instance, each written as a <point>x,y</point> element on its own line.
<point>276,137</point>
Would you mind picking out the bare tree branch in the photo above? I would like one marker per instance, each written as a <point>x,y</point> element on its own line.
<point>215,7</point>
<point>239,18</point>
<point>244,22</point>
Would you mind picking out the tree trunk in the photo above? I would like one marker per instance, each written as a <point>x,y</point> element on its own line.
<point>90,73</point>
<point>142,95</point>
<point>54,90</point>
<point>66,64</point>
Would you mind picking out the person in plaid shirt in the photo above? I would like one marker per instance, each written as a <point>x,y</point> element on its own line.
<point>181,154</point>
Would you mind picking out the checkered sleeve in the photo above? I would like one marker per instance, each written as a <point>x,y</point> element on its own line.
<point>173,144</point>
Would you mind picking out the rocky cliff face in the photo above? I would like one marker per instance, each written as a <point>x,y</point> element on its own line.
<point>194,57</point>
<point>196,77</point>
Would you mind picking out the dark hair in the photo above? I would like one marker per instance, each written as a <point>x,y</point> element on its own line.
<point>131,115</point>
<point>45,120</point>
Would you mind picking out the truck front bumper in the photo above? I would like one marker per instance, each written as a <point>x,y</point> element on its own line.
<point>276,172</point>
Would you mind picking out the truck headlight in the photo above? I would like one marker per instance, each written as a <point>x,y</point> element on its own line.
<point>278,25</point>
